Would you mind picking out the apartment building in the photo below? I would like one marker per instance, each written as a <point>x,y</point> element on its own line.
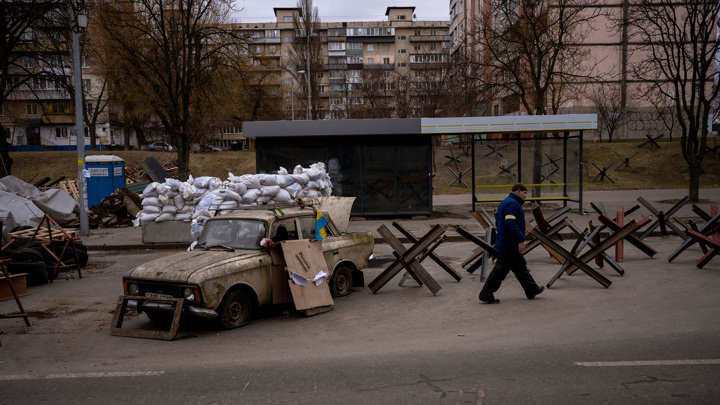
<point>40,112</point>
<point>611,54</point>
<point>363,69</point>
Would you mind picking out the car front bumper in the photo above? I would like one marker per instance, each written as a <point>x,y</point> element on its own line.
<point>168,307</point>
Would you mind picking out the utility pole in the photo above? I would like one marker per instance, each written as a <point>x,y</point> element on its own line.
<point>79,23</point>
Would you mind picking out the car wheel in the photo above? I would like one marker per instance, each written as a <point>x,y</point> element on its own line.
<point>341,282</point>
<point>235,310</point>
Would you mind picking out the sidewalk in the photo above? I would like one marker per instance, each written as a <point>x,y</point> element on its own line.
<point>451,211</point>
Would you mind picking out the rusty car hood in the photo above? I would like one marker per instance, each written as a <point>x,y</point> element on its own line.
<point>181,266</point>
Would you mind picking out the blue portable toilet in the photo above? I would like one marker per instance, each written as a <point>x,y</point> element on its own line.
<point>107,174</point>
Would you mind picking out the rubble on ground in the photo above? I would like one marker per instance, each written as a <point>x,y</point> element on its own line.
<point>117,210</point>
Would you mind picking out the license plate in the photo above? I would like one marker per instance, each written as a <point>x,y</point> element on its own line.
<point>155,295</point>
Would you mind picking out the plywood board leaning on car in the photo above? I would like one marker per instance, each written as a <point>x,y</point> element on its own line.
<point>308,276</point>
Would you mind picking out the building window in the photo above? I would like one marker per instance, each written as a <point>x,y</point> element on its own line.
<point>403,64</point>
<point>28,62</point>
<point>57,108</point>
<point>256,49</point>
<point>321,89</point>
<point>386,61</point>
<point>433,47</point>
<point>289,80</point>
<point>89,108</point>
<point>26,37</point>
<point>60,132</point>
<point>402,51</point>
<point>84,61</point>
<point>86,85</point>
<point>288,39</point>
<point>433,32</point>
<point>55,61</point>
<point>355,45</point>
<point>287,19</point>
<point>336,46</point>
<point>401,37</point>
<point>256,34</point>
<point>386,47</point>
<point>370,61</point>
<point>417,47</point>
<point>402,17</point>
<point>417,33</point>
<point>272,33</point>
<point>320,75</point>
<point>31,109</point>
<point>370,47</point>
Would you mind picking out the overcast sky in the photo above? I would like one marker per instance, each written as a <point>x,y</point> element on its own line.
<point>344,10</point>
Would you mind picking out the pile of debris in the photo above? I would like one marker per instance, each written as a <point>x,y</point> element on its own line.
<point>117,210</point>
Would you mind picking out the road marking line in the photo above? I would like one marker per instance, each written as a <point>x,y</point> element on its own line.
<point>647,363</point>
<point>81,375</point>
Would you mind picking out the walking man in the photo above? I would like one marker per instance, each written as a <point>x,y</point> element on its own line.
<point>510,245</point>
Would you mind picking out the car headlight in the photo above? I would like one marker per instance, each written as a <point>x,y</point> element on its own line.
<point>189,294</point>
<point>133,289</point>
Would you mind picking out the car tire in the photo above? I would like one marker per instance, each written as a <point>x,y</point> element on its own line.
<point>69,256</point>
<point>16,243</point>
<point>341,282</point>
<point>26,255</point>
<point>236,310</point>
<point>36,274</point>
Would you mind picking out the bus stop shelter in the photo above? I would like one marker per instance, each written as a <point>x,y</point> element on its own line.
<point>542,151</point>
<point>387,163</point>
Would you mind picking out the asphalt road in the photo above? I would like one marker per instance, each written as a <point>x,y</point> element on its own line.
<point>652,337</point>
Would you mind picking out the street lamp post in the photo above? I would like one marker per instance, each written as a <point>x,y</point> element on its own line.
<point>302,72</point>
<point>292,100</point>
<point>79,23</point>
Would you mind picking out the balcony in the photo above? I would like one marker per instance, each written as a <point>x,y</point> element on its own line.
<point>429,38</point>
<point>380,66</point>
<point>354,52</point>
<point>336,66</point>
<point>354,66</point>
<point>273,40</point>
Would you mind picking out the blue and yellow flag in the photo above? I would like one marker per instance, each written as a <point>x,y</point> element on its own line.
<point>320,223</point>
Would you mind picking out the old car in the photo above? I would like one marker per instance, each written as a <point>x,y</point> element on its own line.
<point>232,269</point>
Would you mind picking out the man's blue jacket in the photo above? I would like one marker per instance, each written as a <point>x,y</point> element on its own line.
<point>510,223</point>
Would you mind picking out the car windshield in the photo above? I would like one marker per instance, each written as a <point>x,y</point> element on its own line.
<point>233,233</point>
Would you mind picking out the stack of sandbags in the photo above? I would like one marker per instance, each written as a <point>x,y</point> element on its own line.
<point>261,189</point>
<point>204,197</point>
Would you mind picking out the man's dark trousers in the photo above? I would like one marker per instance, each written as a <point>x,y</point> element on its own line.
<point>509,259</point>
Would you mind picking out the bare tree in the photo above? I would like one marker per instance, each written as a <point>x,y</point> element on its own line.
<point>306,55</point>
<point>27,27</point>
<point>527,46</point>
<point>678,50</point>
<point>666,113</point>
<point>606,100</point>
<point>182,55</point>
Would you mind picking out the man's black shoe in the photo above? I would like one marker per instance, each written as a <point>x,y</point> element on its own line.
<point>492,301</point>
<point>537,293</point>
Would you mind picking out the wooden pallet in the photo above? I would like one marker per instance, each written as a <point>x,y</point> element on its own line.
<point>43,235</point>
<point>70,187</point>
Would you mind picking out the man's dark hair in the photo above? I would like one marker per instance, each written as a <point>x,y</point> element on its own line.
<point>518,186</point>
